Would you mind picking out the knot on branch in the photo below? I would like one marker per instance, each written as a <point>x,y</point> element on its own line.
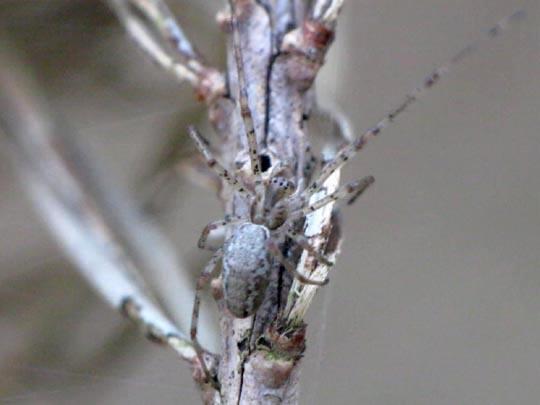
<point>305,49</point>
<point>210,86</point>
<point>284,341</point>
<point>272,371</point>
<point>198,374</point>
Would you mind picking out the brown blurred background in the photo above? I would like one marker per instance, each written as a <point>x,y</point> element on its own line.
<point>436,296</point>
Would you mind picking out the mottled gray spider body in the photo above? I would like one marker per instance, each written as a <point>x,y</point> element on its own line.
<point>246,269</point>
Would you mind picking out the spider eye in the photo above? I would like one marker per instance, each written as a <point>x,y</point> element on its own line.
<point>266,162</point>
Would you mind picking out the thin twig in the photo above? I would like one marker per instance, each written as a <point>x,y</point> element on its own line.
<point>155,29</point>
<point>72,200</point>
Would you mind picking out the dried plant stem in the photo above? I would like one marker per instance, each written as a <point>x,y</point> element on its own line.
<point>88,218</point>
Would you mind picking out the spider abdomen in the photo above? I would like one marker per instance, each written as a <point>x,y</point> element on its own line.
<point>246,269</point>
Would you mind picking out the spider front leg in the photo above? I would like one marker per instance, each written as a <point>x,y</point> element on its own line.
<point>213,226</point>
<point>349,151</point>
<point>213,164</point>
<point>351,191</point>
<point>202,282</point>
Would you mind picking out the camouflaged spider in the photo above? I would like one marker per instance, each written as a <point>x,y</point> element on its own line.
<point>276,205</point>
<point>275,209</point>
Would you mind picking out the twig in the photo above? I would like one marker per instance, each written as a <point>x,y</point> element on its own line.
<point>155,29</point>
<point>75,204</point>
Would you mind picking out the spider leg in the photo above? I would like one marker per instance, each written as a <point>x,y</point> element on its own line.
<point>304,243</point>
<point>243,99</point>
<point>211,161</point>
<point>358,188</point>
<point>348,151</point>
<point>202,282</point>
<point>352,190</point>
<point>212,226</point>
<point>274,248</point>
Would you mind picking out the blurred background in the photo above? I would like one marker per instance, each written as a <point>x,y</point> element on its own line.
<point>436,296</point>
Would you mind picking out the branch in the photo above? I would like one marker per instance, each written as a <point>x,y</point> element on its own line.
<point>308,44</point>
<point>155,29</point>
<point>86,216</point>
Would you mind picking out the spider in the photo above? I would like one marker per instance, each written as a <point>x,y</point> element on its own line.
<point>276,205</point>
